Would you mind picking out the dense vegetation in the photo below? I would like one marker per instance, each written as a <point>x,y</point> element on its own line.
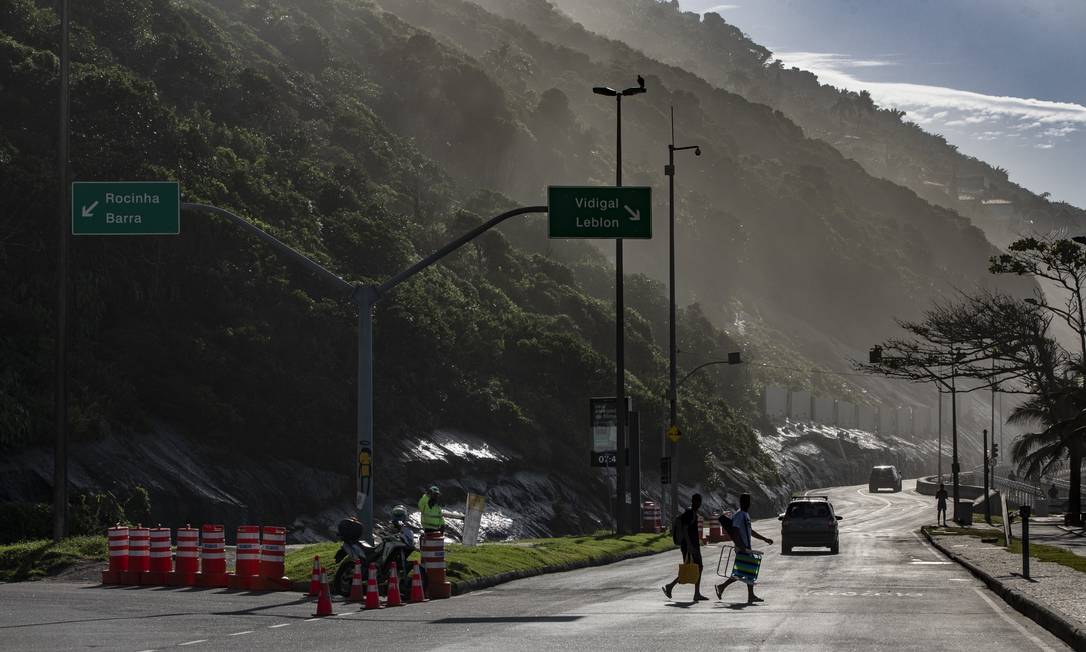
<point>368,134</point>
<point>301,116</point>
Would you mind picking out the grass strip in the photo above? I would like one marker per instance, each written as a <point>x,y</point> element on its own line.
<point>1038,551</point>
<point>33,560</point>
<point>489,559</point>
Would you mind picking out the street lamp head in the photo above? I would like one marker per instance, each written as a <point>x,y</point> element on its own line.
<point>604,90</point>
<point>637,90</point>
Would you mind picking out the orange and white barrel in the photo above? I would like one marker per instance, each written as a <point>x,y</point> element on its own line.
<point>248,551</point>
<point>139,549</point>
<point>701,529</point>
<point>433,559</point>
<point>650,516</point>
<point>212,550</point>
<point>188,549</point>
<point>161,550</point>
<point>714,528</point>
<point>118,549</point>
<point>273,548</point>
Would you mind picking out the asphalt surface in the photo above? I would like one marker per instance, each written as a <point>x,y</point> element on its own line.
<point>886,590</point>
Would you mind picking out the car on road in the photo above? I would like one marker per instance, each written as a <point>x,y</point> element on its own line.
<point>809,521</point>
<point>884,477</point>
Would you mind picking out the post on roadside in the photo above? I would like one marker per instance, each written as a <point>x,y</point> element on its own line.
<point>1024,513</point>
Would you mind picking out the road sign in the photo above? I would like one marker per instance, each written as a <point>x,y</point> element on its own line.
<point>126,208</point>
<point>600,211</point>
<point>674,434</point>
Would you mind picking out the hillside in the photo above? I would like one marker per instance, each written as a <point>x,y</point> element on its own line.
<point>881,139</point>
<point>367,135</point>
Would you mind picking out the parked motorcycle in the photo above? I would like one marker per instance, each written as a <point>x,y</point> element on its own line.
<point>391,547</point>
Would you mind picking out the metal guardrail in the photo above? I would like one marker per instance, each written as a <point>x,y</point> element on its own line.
<point>1020,493</point>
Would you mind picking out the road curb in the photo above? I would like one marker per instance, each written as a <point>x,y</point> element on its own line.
<point>1065,629</point>
<point>467,586</point>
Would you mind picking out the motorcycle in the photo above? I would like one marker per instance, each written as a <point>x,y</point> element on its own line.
<point>391,547</point>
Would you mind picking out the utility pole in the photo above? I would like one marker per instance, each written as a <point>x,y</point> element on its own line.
<point>955,467</point>
<point>940,433</point>
<point>620,321</point>
<point>987,503</point>
<point>60,451</point>
<point>673,396</point>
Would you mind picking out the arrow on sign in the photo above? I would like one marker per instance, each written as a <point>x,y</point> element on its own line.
<point>634,215</point>
<point>88,211</point>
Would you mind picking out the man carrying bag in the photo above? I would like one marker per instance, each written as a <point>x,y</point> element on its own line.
<point>684,532</point>
<point>748,562</point>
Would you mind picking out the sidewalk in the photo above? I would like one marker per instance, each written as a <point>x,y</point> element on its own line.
<point>1054,596</point>
<point>1050,530</point>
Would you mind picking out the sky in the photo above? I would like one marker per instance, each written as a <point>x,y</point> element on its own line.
<point>1004,80</point>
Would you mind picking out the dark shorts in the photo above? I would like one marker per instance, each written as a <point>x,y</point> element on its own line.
<point>693,554</point>
<point>941,507</point>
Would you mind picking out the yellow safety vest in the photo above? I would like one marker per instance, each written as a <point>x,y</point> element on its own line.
<point>431,514</point>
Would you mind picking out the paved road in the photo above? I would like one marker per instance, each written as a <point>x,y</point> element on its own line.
<point>886,590</point>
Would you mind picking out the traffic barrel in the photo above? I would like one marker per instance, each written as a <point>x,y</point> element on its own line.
<point>417,594</point>
<point>187,562</point>
<point>433,558</point>
<point>118,555</point>
<point>650,517</point>
<point>356,583</point>
<point>212,558</point>
<point>161,557</point>
<point>139,555</point>
<point>392,596</point>
<point>247,560</point>
<point>315,579</point>
<point>715,534</point>
<point>373,598</point>
<point>273,550</point>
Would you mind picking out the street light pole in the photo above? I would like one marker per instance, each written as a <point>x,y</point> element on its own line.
<point>620,323</point>
<point>955,468</point>
<point>60,452</point>
<point>669,171</point>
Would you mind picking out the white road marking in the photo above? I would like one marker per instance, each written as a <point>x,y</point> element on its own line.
<point>309,620</point>
<point>934,552</point>
<point>202,640</point>
<point>278,626</point>
<point>1040,644</point>
<point>242,633</point>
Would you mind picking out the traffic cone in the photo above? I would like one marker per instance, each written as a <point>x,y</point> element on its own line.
<point>373,598</point>
<point>315,580</point>
<point>417,594</point>
<point>324,602</point>
<point>393,597</point>
<point>356,583</point>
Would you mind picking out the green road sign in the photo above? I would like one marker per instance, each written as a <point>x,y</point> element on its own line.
<point>126,208</point>
<point>600,211</point>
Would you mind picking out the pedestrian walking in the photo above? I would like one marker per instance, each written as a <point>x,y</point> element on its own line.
<point>940,504</point>
<point>688,537</point>
<point>743,533</point>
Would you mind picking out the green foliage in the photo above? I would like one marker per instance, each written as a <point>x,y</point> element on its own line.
<point>89,513</point>
<point>34,560</point>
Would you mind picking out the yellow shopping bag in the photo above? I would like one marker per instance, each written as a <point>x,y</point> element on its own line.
<point>688,573</point>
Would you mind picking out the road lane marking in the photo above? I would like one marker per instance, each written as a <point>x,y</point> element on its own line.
<point>869,594</point>
<point>309,620</point>
<point>934,552</point>
<point>930,563</point>
<point>242,633</point>
<point>1040,644</point>
<point>202,640</point>
<point>278,626</point>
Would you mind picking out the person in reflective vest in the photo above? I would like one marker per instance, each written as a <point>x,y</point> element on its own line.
<point>430,511</point>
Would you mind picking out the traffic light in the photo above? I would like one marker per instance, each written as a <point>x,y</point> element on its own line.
<point>995,451</point>
<point>874,356</point>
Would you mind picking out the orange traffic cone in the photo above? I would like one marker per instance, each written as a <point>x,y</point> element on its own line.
<point>417,594</point>
<point>393,597</point>
<point>315,580</point>
<point>373,598</point>
<point>324,602</point>
<point>356,583</point>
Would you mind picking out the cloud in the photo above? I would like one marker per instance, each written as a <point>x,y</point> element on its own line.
<point>717,8</point>
<point>932,106</point>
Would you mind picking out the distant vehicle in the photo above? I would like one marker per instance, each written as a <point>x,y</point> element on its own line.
<point>809,521</point>
<point>884,477</point>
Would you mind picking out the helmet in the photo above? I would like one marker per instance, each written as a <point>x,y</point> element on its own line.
<point>399,513</point>
<point>435,490</point>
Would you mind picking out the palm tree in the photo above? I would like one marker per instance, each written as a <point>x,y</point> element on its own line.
<point>1062,412</point>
